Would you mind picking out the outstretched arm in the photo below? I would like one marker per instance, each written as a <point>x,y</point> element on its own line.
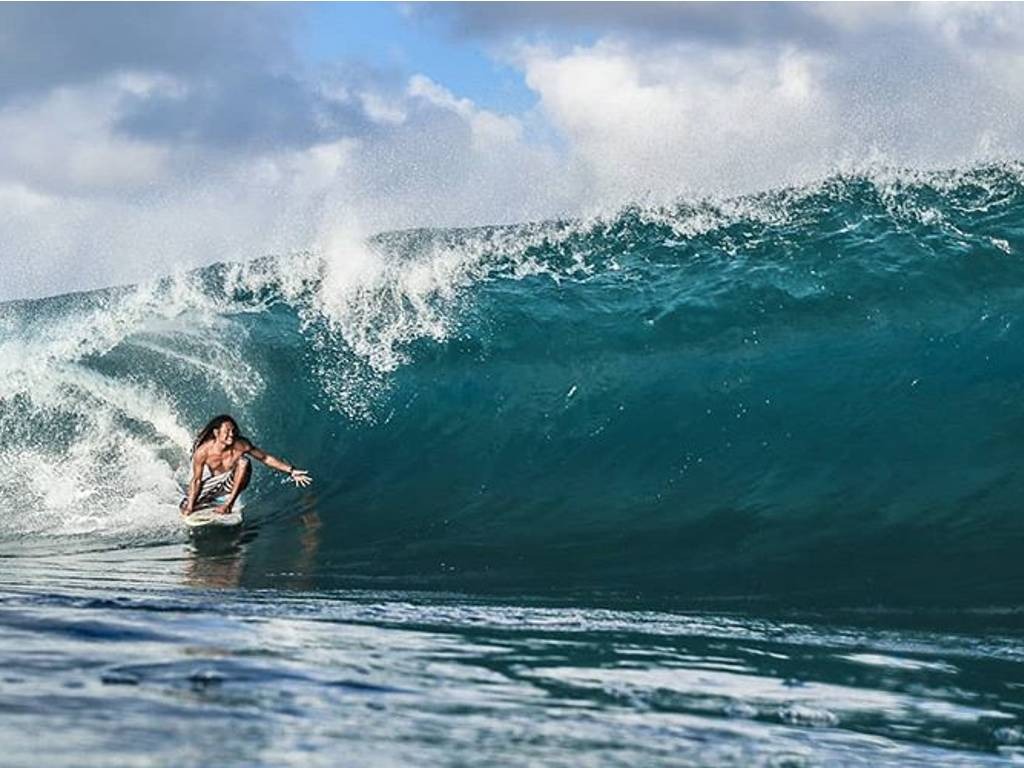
<point>196,482</point>
<point>299,476</point>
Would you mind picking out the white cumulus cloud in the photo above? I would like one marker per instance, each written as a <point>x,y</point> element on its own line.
<point>682,117</point>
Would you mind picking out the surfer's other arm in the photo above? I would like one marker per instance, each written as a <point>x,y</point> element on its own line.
<point>299,476</point>
<point>196,482</point>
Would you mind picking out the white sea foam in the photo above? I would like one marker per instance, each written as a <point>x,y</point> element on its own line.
<point>85,451</point>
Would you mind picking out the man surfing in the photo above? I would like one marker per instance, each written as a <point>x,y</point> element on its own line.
<point>220,449</point>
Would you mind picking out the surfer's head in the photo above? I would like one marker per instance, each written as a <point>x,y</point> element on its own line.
<point>222,428</point>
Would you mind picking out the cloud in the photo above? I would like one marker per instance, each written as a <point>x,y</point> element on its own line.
<point>46,45</point>
<point>138,139</point>
<point>739,22</point>
<point>138,170</point>
<point>449,162</point>
<point>488,131</point>
<point>916,83</point>
<point>239,81</point>
<point>243,111</point>
<point>809,25</point>
<point>273,203</point>
<point>658,123</point>
<point>65,143</point>
<point>681,112</point>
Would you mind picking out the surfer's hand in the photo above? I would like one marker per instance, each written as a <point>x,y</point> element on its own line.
<point>223,509</point>
<point>300,477</point>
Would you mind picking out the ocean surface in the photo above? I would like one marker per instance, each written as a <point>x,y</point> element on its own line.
<point>729,482</point>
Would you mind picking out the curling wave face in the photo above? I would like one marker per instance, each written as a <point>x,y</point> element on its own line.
<point>809,392</point>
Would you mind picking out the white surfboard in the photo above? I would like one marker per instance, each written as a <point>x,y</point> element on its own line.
<point>202,517</point>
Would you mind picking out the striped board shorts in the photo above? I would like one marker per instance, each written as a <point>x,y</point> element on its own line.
<point>215,488</point>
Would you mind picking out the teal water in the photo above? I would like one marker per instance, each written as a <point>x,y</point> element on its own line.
<point>163,656</point>
<point>733,481</point>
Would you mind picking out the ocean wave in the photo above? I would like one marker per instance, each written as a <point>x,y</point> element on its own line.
<point>809,391</point>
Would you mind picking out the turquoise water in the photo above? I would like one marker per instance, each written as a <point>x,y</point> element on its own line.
<point>165,656</point>
<point>731,482</point>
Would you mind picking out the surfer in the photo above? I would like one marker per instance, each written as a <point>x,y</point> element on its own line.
<point>220,449</point>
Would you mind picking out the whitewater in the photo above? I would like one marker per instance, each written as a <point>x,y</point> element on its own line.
<point>728,481</point>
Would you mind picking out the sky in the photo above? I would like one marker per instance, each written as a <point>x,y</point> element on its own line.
<point>139,139</point>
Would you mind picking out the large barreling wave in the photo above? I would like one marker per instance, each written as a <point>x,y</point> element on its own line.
<point>808,392</point>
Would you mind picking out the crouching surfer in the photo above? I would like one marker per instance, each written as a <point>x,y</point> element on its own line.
<point>221,452</point>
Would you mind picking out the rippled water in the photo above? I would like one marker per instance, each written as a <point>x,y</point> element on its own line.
<point>152,656</point>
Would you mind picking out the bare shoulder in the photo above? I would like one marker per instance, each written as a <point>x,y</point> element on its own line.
<point>199,458</point>
<point>257,453</point>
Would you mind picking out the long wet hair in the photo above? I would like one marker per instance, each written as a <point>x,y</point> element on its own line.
<point>212,426</point>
